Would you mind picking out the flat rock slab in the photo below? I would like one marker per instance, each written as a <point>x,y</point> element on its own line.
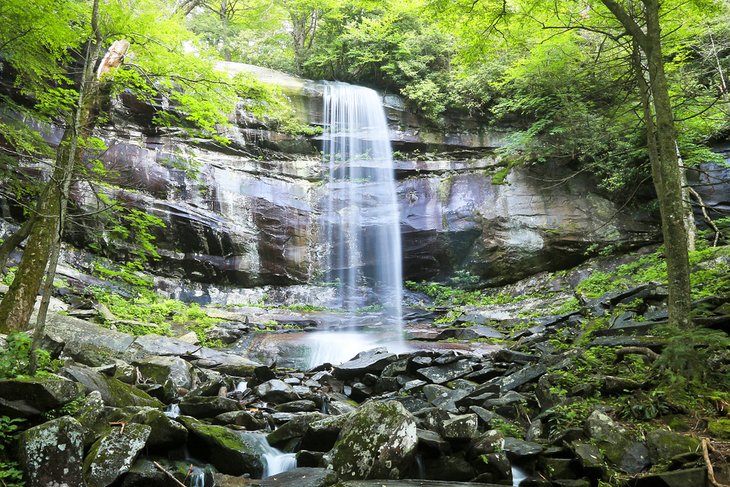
<point>366,362</point>
<point>413,483</point>
<point>438,374</point>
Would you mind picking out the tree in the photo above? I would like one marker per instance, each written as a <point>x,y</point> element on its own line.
<point>201,96</point>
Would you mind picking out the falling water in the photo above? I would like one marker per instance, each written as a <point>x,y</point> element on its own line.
<point>361,222</point>
<point>172,411</point>
<point>196,477</point>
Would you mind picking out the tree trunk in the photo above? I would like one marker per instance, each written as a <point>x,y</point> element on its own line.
<point>669,186</point>
<point>17,305</point>
<point>12,242</point>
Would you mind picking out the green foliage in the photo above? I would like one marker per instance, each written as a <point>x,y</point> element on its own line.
<point>507,428</point>
<point>710,274</point>
<point>11,475</point>
<point>15,358</point>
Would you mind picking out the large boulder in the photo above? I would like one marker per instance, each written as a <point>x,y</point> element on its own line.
<point>172,373</point>
<point>27,397</point>
<point>113,392</point>
<point>231,452</point>
<point>378,442</point>
<point>52,453</point>
<point>114,453</point>
<point>165,432</point>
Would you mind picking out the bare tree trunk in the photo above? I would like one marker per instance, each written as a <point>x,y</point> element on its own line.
<point>11,243</point>
<point>669,187</point>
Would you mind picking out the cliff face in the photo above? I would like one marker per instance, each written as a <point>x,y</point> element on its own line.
<point>251,213</point>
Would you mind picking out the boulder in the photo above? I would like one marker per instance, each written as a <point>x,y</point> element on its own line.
<point>113,392</point>
<point>611,439</point>
<point>114,453</point>
<point>520,450</point>
<point>322,434</point>
<point>26,397</point>
<point>275,391</point>
<point>443,397</point>
<point>208,406</point>
<point>372,361</point>
<point>250,420</point>
<point>231,452</point>
<point>379,442</point>
<point>52,453</point>
<point>173,373</point>
<point>664,444</point>
<point>522,376</point>
<point>165,432</point>
<point>439,374</point>
<point>295,428</point>
<point>301,477</point>
<point>462,427</point>
<point>91,415</point>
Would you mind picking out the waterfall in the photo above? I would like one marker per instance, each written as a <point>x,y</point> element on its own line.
<point>361,221</point>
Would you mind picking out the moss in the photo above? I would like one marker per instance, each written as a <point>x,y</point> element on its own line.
<point>719,428</point>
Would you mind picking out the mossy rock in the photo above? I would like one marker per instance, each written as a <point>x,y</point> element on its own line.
<point>378,442</point>
<point>231,452</point>
<point>665,444</point>
<point>166,432</point>
<point>114,392</point>
<point>719,428</point>
<point>113,454</point>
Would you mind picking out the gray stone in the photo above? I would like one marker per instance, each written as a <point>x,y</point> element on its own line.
<point>52,453</point>
<point>443,397</point>
<point>301,477</point>
<point>440,374</point>
<point>275,391</point>
<point>451,468</point>
<point>90,415</point>
<point>373,362</point>
<point>28,397</point>
<point>248,419</point>
<point>208,406</point>
<point>378,442</point>
<point>113,454</point>
<point>295,428</point>
<point>635,458</point>
<point>301,406</point>
<point>462,427</point>
<point>518,450</point>
<point>522,376</point>
<point>611,438</point>
<point>322,434</point>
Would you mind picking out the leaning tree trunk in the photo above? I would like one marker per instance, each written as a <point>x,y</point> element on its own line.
<point>17,305</point>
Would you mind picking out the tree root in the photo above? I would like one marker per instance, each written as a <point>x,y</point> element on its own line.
<point>647,352</point>
<point>706,447</point>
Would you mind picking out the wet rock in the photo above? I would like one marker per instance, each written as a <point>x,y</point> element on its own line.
<point>207,406</point>
<point>301,406</point>
<point>679,478</point>
<point>52,453</point>
<point>379,441</point>
<point>250,420</point>
<point>488,442</point>
<point>295,428</point>
<point>165,432</point>
<point>462,427</point>
<point>173,373</point>
<point>440,374</point>
<point>486,418</point>
<point>519,450</point>
<point>493,468</point>
<point>450,468</point>
<point>470,333</point>
<point>276,391</point>
<point>231,452</point>
<point>558,468</point>
<point>322,434</point>
<point>113,392</point>
<point>302,477</point>
<point>33,396</point>
<point>113,454</point>
<point>372,362</point>
<point>512,356</point>
<point>431,440</point>
<point>664,444</point>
